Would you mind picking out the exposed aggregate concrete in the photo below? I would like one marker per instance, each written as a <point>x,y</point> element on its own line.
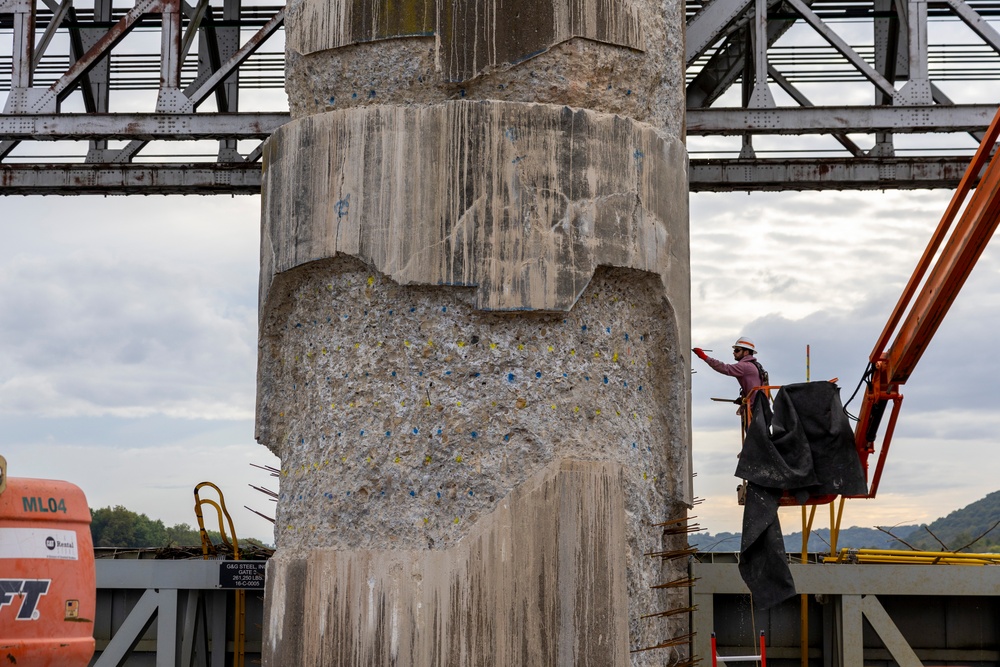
<point>403,415</point>
<point>644,83</point>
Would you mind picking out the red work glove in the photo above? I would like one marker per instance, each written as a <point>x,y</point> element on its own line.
<point>700,353</point>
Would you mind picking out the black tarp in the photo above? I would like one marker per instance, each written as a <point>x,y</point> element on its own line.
<point>807,449</point>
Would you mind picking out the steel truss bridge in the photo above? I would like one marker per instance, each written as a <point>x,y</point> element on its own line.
<point>169,97</point>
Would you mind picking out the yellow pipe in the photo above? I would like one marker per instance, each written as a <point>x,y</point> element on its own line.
<point>888,560</point>
<point>835,525</point>
<point>804,599</point>
<point>205,542</point>
<point>914,557</point>
<point>903,552</point>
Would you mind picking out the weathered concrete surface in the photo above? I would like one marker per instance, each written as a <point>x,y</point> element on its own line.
<point>523,201</point>
<point>540,580</point>
<point>614,56</point>
<point>474,332</point>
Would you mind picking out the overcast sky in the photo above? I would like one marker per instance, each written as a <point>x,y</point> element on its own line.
<point>128,344</point>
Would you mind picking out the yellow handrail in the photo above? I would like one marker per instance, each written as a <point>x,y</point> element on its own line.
<point>239,629</point>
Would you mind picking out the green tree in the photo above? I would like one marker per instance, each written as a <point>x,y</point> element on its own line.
<point>120,527</point>
<point>183,535</point>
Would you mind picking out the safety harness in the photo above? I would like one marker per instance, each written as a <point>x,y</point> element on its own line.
<point>764,380</point>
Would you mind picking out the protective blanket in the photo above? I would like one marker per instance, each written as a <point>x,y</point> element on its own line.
<point>808,450</point>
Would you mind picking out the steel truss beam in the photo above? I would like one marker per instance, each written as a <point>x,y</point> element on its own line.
<point>242,178</point>
<point>148,127</point>
<point>704,176</point>
<point>827,120</point>
<point>872,173</point>
<point>729,42</point>
<point>707,122</point>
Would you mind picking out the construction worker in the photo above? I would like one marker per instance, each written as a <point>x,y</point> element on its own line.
<point>747,371</point>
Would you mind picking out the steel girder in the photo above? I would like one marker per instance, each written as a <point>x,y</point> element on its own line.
<point>54,127</point>
<point>704,176</point>
<point>131,179</point>
<point>866,173</point>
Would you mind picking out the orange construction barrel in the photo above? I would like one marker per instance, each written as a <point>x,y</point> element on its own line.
<point>47,587</point>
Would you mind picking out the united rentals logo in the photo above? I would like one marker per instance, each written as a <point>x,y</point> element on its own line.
<point>30,591</point>
<point>50,543</point>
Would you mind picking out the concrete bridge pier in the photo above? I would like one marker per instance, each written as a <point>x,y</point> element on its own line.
<point>474,323</point>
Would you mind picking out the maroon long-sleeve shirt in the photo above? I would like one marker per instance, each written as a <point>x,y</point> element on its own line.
<point>743,370</point>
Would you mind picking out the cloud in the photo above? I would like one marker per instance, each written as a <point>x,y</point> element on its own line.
<point>140,322</point>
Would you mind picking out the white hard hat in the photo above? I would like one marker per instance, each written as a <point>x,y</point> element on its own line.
<point>745,343</point>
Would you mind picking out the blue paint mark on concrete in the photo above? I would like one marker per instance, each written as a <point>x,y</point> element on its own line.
<point>343,206</point>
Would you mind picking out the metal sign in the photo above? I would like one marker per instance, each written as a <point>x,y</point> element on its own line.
<point>242,574</point>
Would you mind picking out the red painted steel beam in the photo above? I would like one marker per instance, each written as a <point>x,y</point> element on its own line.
<point>958,257</point>
<point>924,303</point>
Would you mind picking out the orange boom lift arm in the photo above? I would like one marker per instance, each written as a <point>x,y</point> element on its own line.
<point>923,304</point>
